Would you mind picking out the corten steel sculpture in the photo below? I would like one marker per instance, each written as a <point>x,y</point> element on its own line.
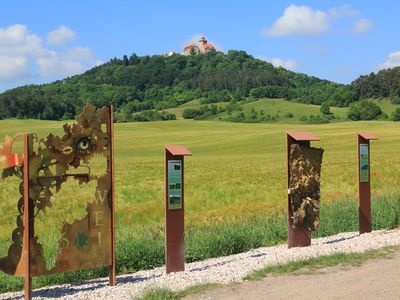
<point>304,169</point>
<point>46,167</point>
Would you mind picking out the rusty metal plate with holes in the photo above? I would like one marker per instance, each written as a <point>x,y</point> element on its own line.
<point>70,187</point>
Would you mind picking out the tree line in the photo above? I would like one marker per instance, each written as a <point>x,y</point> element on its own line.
<point>137,84</point>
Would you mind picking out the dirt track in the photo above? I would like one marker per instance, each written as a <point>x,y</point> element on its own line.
<point>376,279</point>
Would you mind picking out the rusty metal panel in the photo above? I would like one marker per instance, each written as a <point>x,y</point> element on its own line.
<point>178,150</point>
<point>174,220</point>
<point>364,190</point>
<point>82,157</point>
<point>367,135</point>
<point>297,237</point>
<point>303,136</point>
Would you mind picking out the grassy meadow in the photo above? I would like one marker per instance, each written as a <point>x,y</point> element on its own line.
<point>235,188</point>
<point>283,108</point>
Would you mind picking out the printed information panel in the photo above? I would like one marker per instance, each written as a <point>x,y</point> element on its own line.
<point>174,184</point>
<point>364,163</point>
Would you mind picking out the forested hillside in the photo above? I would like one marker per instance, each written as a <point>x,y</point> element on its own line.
<point>384,84</point>
<point>134,84</point>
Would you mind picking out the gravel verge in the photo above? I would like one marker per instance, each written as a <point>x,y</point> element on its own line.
<point>222,270</point>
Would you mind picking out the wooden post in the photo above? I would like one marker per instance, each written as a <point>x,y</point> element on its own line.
<point>364,179</point>
<point>112,275</point>
<point>174,207</point>
<point>28,218</point>
<point>297,237</point>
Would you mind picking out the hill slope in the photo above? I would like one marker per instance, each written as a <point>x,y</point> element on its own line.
<point>141,83</point>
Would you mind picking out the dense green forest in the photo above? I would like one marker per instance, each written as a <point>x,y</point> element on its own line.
<point>384,84</point>
<point>139,84</point>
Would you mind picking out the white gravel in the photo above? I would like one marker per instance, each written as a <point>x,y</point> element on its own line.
<point>217,270</point>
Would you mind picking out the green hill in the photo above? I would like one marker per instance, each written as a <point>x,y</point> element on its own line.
<point>134,84</point>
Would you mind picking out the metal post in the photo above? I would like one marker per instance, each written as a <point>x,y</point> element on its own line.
<point>28,218</point>
<point>364,179</point>
<point>174,216</point>
<point>112,275</point>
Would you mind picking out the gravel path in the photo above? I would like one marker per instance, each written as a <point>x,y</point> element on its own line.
<point>218,270</point>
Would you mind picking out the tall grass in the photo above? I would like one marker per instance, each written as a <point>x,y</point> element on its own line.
<point>144,248</point>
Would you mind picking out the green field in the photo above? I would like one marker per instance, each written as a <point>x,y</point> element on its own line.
<point>237,173</point>
<point>281,108</point>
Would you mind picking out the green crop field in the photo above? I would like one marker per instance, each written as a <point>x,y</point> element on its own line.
<point>237,174</point>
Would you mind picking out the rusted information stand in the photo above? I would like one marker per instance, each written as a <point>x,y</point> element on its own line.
<point>364,181</point>
<point>48,166</point>
<point>297,237</point>
<point>174,207</point>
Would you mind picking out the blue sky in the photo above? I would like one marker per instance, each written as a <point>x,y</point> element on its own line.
<point>41,41</point>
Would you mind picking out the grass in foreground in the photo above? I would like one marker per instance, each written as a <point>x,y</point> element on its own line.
<point>167,294</point>
<point>308,266</point>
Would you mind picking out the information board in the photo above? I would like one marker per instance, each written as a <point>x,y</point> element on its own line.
<point>364,163</point>
<point>174,184</point>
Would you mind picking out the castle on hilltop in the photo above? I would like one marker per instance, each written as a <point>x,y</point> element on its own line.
<point>202,47</point>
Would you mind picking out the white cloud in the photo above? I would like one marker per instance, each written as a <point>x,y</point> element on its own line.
<point>289,64</point>
<point>299,20</point>
<point>392,61</point>
<point>306,21</point>
<point>73,61</point>
<point>16,40</point>
<point>12,68</point>
<point>23,56</point>
<point>60,36</point>
<point>362,25</point>
<point>343,11</point>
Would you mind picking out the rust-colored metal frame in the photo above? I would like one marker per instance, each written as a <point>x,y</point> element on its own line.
<point>364,188</point>
<point>28,219</point>
<point>297,237</point>
<point>112,269</point>
<point>29,213</point>
<point>175,218</point>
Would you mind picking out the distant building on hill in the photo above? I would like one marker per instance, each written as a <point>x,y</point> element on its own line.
<point>201,48</point>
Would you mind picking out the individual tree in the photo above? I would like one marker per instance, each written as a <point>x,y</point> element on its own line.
<point>325,108</point>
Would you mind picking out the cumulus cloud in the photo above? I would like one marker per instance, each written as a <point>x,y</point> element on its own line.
<point>71,62</point>
<point>60,36</point>
<point>306,21</point>
<point>12,68</point>
<point>392,61</point>
<point>16,40</point>
<point>23,56</point>
<point>362,25</point>
<point>277,62</point>
<point>299,20</point>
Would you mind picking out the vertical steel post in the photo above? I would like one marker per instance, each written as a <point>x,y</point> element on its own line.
<point>112,275</point>
<point>175,218</point>
<point>364,186</point>
<point>28,215</point>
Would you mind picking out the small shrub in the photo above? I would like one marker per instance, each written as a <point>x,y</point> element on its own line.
<point>396,115</point>
<point>289,115</point>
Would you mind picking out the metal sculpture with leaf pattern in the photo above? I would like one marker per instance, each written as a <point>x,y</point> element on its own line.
<point>44,170</point>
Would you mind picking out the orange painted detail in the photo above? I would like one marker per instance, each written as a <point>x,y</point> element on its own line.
<point>178,150</point>
<point>303,136</point>
<point>367,135</point>
<point>8,159</point>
